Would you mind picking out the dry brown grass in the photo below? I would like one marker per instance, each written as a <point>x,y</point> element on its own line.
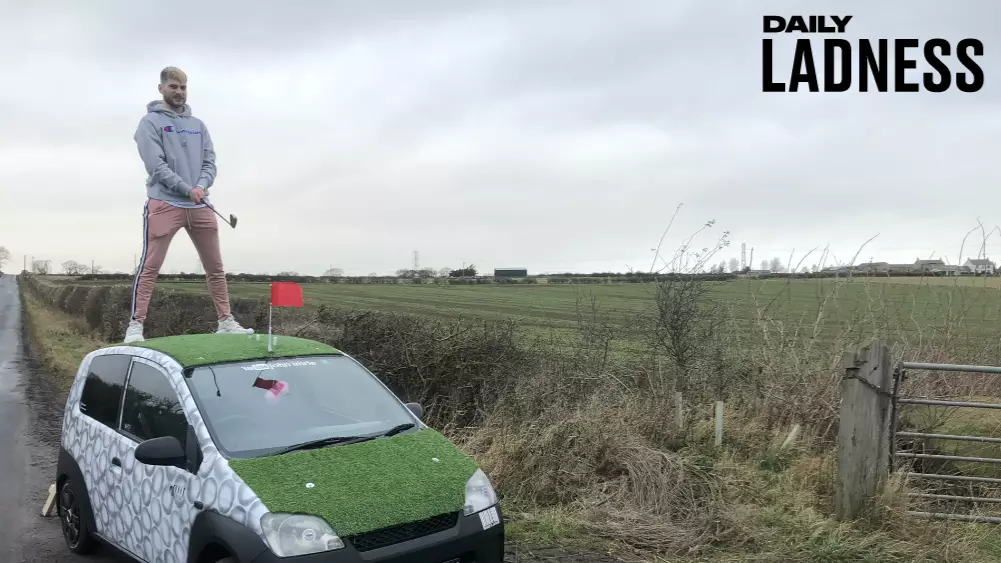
<point>615,482</point>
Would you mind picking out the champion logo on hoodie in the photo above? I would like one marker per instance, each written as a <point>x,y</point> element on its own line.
<point>172,129</point>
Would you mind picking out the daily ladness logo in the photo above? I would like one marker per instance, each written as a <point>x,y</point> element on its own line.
<point>882,63</point>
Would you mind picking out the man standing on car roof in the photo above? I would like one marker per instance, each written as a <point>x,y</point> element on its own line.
<point>179,157</point>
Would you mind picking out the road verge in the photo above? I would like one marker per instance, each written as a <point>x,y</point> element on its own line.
<point>55,339</point>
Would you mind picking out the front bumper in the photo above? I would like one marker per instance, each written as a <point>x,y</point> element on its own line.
<point>465,542</point>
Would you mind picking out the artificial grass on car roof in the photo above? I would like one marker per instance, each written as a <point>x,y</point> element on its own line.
<point>192,350</point>
<point>362,487</point>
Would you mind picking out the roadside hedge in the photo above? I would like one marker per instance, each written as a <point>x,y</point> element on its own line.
<point>456,368</point>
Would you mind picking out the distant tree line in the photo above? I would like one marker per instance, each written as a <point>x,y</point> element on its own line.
<point>464,276</point>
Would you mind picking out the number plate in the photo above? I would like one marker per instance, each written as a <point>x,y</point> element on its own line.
<point>489,518</point>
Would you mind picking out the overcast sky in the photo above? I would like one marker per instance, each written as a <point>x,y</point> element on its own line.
<point>557,135</point>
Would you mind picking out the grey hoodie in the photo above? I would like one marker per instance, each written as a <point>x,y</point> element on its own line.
<point>177,152</point>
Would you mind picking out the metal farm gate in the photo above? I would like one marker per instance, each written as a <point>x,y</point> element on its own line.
<point>940,482</point>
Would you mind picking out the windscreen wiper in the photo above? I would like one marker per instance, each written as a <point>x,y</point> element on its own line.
<point>397,429</point>
<point>322,442</point>
<point>342,440</point>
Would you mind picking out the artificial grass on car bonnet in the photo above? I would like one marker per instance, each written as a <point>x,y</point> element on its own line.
<point>192,350</point>
<point>366,486</point>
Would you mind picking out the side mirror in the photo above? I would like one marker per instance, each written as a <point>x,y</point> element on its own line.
<point>417,409</point>
<point>165,450</point>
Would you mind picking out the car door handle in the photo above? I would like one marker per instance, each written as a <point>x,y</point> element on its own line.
<point>116,461</point>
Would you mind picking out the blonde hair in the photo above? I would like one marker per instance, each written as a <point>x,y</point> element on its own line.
<point>172,72</point>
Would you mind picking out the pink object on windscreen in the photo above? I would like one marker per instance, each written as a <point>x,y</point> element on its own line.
<point>272,395</point>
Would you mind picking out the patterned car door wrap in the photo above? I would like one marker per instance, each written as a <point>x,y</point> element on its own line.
<point>149,510</point>
<point>91,443</point>
<point>152,512</point>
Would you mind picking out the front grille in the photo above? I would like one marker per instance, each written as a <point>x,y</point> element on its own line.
<point>403,532</point>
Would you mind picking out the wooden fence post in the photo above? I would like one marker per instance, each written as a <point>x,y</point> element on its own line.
<point>864,431</point>
<point>679,411</point>
<point>719,424</point>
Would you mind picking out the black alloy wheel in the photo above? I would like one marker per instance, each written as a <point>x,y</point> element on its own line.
<point>75,532</point>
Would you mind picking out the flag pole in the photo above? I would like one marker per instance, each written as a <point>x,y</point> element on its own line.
<point>269,319</point>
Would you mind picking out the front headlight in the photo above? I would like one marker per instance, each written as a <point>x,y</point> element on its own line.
<point>479,493</point>
<point>298,534</point>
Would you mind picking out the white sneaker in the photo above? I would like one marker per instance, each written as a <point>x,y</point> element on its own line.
<point>134,333</point>
<point>229,325</point>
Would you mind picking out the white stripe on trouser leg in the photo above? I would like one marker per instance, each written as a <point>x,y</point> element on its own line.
<point>142,261</point>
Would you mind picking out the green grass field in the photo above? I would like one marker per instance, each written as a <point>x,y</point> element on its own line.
<point>904,307</point>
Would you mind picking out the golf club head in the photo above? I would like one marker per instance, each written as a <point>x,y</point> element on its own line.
<point>232,220</point>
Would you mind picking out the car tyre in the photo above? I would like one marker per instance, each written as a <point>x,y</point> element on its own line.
<point>71,521</point>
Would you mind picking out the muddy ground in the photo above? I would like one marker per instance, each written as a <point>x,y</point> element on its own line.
<point>30,423</point>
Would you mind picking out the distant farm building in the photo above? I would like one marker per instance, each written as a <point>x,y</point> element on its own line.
<point>948,270</point>
<point>874,267</point>
<point>980,266</point>
<point>928,265</point>
<point>510,273</point>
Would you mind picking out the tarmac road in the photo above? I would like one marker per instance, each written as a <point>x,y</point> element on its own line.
<point>30,421</point>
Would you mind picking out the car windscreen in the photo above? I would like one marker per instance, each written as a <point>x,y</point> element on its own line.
<point>257,408</point>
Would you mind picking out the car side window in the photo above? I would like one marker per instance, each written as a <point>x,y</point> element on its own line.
<point>102,389</point>
<point>152,408</point>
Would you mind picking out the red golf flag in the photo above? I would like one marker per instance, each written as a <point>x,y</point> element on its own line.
<point>286,294</point>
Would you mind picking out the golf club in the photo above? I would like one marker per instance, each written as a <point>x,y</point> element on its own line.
<point>232,218</point>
